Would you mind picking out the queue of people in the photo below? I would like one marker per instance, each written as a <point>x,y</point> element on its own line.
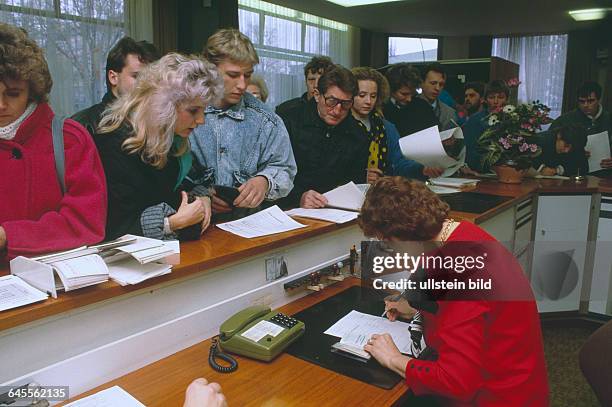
<point>147,158</point>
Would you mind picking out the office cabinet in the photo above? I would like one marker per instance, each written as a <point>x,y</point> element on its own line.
<point>601,286</point>
<point>559,251</point>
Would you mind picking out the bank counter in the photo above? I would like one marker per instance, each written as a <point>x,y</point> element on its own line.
<point>153,338</point>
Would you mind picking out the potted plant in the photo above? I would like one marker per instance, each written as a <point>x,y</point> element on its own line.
<point>508,143</point>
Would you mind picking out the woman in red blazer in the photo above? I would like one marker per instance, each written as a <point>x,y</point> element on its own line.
<point>479,350</point>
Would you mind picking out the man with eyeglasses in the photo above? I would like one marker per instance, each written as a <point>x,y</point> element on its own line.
<point>328,144</point>
<point>591,115</point>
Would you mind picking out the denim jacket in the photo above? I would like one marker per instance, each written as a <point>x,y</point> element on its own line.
<point>244,141</point>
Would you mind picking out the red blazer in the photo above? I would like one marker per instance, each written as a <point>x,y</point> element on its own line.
<point>490,353</point>
<point>33,212</point>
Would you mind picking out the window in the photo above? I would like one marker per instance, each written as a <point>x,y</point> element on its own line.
<point>286,39</point>
<point>76,36</point>
<point>405,49</point>
<point>541,62</point>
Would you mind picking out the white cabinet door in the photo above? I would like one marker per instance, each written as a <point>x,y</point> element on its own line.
<point>559,251</point>
<point>601,286</point>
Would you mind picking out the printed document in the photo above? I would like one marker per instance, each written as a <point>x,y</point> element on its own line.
<point>348,196</point>
<point>112,397</point>
<point>327,214</point>
<point>14,292</point>
<point>267,222</point>
<point>599,147</point>
<point>426,147</point>
<point>356,328</point>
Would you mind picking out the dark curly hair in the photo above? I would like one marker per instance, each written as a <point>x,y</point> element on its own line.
<point>403,74</point>
<point>22,59</point>
<point>396,207</point>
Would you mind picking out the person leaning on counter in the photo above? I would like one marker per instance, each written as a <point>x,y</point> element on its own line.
<point>143,143</point>
<point>478,352</point>
<point>36,216</point>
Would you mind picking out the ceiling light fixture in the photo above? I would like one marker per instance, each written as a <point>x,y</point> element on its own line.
<point>588,14</point>
<point>353,3</point>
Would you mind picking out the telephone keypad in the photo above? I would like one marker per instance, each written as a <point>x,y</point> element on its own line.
<point>284,320</point>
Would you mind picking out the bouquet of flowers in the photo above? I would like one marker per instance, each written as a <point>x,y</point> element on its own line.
<point>509,139</point>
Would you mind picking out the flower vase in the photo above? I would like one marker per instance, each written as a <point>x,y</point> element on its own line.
<point>508,174</point>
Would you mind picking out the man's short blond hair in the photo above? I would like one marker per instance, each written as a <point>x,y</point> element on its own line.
<point>230,44</point>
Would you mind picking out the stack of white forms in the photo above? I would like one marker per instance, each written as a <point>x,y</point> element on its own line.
<point>127,260</point>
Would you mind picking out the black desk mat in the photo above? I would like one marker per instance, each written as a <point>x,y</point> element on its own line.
<point>314,346</point>
<point>473,202</point>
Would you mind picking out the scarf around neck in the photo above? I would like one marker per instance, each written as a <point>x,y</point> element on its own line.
<point>9,131</point>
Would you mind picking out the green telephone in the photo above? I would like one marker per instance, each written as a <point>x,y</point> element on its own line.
<point>259,333</point>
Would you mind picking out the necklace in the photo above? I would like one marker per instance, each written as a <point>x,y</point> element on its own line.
<point>447,228</point>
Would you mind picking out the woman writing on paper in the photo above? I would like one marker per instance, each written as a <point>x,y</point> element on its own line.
<point>385,155</point>
<point>480,350</point>
<point>37,215</point>
<point>144,146</point>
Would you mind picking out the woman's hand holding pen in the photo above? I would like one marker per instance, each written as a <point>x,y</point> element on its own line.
<point>398,308</point>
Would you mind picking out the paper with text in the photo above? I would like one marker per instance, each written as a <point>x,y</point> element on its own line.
<point>14,292</point>
<point>347,196</point>
<point>261,329</point>
<point>356,325</point>
<point>426,147</point>
<point>267,222</point>
<point>327,214</point>
<point>599,147</point>
<point>112,397</point>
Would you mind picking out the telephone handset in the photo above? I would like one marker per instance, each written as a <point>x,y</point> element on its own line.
<point>256,332</point>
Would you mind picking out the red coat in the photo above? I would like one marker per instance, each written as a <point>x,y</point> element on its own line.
<point>33,212</point>
<point>490,353</point>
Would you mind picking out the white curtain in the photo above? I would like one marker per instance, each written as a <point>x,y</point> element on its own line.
<point>542,67</point>
<point>286,39</point>
<point>76,36</point>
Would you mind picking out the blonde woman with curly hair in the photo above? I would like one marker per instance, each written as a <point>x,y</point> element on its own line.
<point>40,211</point>
<point>144,146</point>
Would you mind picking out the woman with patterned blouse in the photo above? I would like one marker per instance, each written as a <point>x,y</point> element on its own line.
<point>385,156</point>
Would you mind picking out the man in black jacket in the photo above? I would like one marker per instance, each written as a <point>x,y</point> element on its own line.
<point>408,112</point>
<point>328,144</point>
<point>312,72</point>
<point>124,62</point>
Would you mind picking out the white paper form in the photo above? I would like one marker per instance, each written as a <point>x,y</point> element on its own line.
<point>348,196</point>
<point>267,222</point>
<point>261,329</point>
<point>14,292</point>
<point>426,147</point>
<point>130,271</point>
<point>327,214</point>
<point>443,190</point>
<point>454,182</point>
<point>112,397</point>
<point>599,147</point>
<point>359,325</point>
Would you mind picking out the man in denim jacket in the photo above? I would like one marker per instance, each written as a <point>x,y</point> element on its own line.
<point>243,143</point>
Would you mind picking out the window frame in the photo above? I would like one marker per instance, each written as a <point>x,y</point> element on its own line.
<point>416,36</point>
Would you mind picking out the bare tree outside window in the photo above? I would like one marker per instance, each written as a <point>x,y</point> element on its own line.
<point>76,36</point>
<point>286,40</point>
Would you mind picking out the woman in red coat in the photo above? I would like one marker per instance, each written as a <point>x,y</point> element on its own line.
<point>479,351</point>
<point>35,216</point>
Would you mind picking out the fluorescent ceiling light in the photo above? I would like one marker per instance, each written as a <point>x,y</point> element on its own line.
<point>353,3</point>
<point>588,14</point>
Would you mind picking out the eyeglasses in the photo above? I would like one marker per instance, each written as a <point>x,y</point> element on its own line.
<point>332,102</point>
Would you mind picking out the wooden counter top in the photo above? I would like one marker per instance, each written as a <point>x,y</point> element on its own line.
<point>216,248</point>
<point>286,381</point>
